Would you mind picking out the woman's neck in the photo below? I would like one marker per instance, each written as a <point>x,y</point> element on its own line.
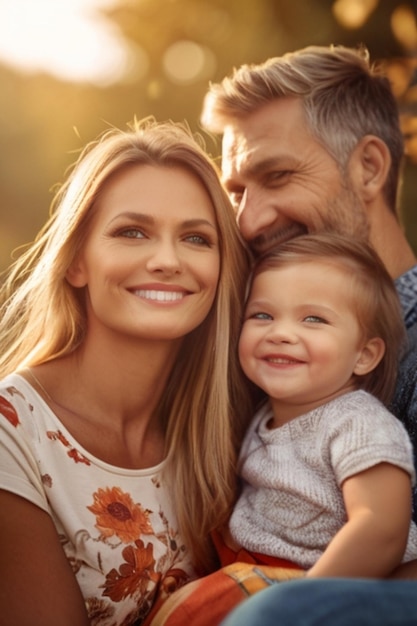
<point>107,398</point>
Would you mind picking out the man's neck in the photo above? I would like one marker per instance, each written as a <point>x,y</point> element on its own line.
<point>388,239</point>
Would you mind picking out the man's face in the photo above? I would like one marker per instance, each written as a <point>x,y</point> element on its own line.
<point>283,182</point>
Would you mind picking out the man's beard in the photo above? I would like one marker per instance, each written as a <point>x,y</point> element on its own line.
<point>345,215</point>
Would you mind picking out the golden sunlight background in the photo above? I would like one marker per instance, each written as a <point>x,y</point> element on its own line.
<point>71,68</point>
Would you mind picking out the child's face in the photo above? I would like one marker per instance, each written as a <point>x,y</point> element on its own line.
<point>301,341</point>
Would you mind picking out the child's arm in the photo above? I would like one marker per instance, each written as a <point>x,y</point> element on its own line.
<point>373,540</point>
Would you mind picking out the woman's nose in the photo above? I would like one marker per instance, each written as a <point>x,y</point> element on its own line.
<point>165,258</point>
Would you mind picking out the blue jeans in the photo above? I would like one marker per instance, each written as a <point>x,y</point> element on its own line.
<point>330,602</point>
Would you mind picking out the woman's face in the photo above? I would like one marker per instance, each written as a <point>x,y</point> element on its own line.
<point>151,260</point>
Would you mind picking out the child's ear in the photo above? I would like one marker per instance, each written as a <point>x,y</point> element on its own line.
<point>369,357</point>
<point>76,274</point>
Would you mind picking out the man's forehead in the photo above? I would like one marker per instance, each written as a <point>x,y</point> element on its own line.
<point>234,141</point>
<point>276,119</point>
<point>245,157</point>
<point>237,150</point>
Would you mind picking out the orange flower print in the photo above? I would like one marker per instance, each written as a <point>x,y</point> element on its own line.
<point>8,411</point>
<point>117,514</point>
<point>77,456</point>
<point>72,452</point>
<point>57,436</point>
<point>98,610</point>
<point>46,480</point>
<point>134,575</point>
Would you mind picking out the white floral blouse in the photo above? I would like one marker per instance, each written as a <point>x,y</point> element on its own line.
<point>116,525</point>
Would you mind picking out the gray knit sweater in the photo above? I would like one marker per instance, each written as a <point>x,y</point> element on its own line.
<point>291,505</point>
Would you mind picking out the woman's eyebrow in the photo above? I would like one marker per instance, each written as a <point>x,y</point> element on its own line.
<point>149,219</point>
<point>137,217</point>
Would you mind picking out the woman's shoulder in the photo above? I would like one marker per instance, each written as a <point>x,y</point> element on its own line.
<point>22,408</point>
<point>17,397</point>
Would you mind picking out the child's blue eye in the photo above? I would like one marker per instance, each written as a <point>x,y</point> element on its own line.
<point>261,316</point>
<point>316,319</point>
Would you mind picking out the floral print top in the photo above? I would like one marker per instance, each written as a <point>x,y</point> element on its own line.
<point>116,525</point>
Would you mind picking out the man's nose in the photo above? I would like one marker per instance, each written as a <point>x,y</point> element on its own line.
<point>254,215</point>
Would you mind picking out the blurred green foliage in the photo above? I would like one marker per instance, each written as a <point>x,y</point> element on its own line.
<point>44,122</point>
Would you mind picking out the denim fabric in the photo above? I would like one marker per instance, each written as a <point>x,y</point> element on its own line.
<point>330,602</point>
<point>407,290</point>
<point>404,403</point>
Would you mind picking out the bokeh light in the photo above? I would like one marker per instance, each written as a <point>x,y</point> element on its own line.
<point>404,27</point>
<point>353,13</point>
<point>186,61</point>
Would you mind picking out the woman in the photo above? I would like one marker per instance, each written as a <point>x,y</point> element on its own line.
<point>118,332</point>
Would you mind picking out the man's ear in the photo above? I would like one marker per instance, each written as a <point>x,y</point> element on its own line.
<point>369,166</point>
<point>369,357</point>
<point>76,274</point>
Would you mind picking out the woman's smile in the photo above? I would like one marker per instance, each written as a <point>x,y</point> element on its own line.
<point>160,293</point>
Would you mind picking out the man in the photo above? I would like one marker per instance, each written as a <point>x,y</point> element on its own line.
<point>311,142</point>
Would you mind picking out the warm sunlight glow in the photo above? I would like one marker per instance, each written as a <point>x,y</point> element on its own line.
<point>353,13</point>
<point>70,39</point>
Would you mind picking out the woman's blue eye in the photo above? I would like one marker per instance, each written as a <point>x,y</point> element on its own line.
<point>131,233</point>
<point>198,239</point>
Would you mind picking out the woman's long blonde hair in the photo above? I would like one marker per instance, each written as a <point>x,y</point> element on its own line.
<point>205,404</point>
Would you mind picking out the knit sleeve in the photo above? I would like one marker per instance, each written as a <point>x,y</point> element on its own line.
<point>363,434</point>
